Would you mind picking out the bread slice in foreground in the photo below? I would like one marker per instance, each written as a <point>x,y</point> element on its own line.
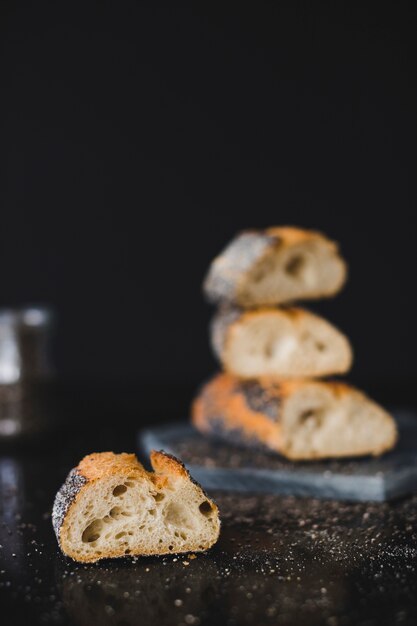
<point>298,419</point>
<point>273,266</point>
<point>110,506</point>
<point>284,342</point>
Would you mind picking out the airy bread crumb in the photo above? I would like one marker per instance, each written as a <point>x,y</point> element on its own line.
<point>283,342</point>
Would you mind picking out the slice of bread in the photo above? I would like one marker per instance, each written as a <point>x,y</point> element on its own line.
<point>284,342</point>
<point>110,506</point>
<point>298,419</point>
<point>273,266</point>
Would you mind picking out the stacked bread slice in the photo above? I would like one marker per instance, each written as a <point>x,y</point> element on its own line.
<point>274,354</point>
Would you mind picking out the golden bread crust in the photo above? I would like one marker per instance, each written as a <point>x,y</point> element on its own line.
<point>292,235</point>
<point>100,464</point>
<point>164,463</point>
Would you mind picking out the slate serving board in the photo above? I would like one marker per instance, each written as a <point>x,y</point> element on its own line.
<point>219,466</point>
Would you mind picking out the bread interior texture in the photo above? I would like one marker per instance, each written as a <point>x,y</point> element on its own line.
<point>118,516</point>
<point>276,344</point>
<point>306,270</point>
<point>320,424</point>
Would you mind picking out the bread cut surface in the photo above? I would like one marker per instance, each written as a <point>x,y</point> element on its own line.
<point>110,506</point>
<point>274,266</point>
<point>284,342</point>
<point>299,419</point>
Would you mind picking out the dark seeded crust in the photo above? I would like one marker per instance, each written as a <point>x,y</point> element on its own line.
<point>223,319</point>
<point>242,412</point>
<point>65,497</point>
<point>266,400</point>
<point>239,256</point>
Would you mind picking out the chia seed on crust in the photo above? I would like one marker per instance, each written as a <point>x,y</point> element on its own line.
<point>260,399</point>
<point>65,497</point>
<point>239,256</point>
<point>219,326</point>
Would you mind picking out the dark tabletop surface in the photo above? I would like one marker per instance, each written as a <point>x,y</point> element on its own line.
<point>279,560</point>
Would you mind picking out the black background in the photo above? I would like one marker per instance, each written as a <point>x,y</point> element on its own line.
<point>137,138</point>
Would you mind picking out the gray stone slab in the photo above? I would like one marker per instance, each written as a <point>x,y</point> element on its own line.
<point>219,466</point>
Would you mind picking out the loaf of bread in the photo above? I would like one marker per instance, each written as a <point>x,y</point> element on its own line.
<point>284,342</point>
<point>273,266</point>
<point>110,506</point>
<point>299,419</point>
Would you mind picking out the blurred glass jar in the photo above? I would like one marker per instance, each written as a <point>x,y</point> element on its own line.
<point>25,372</point>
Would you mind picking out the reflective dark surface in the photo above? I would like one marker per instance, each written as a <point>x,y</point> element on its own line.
<point>279,560</point>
